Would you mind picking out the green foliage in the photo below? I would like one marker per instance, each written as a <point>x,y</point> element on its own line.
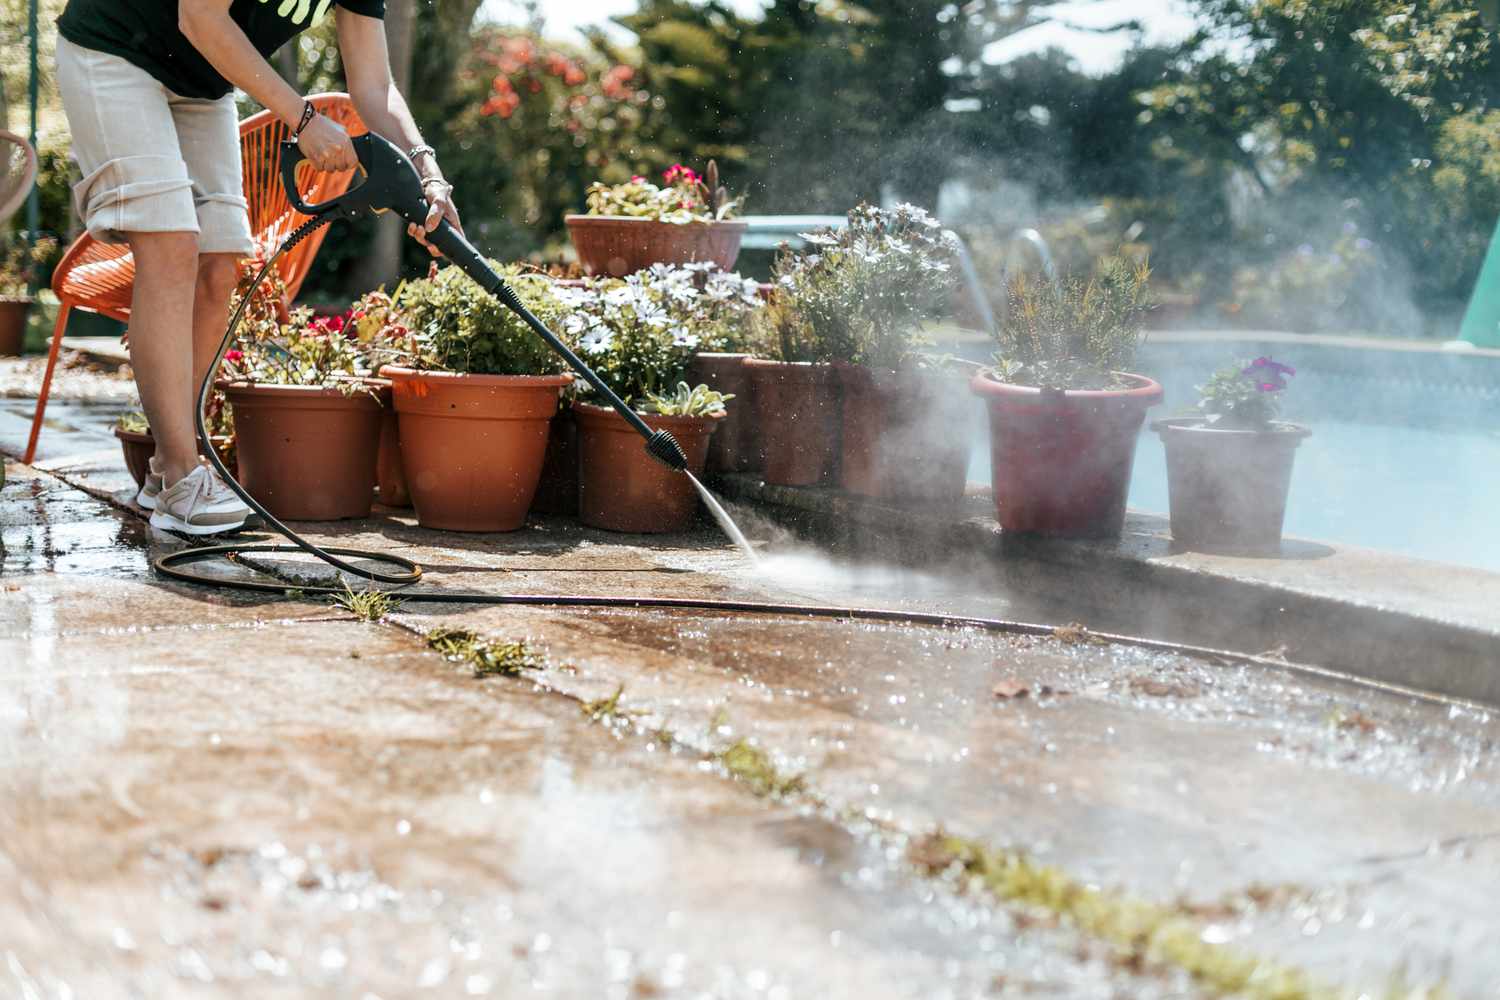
<point>24,263</point>
<point>862,293</point>
<point>305,351</point>
<point>1074,332</point>
<point>370,605</point>
<point>698,401</point>
<point>1367,111</point>
<point>1246,394</point>
<point>488,657</point>
<point>459,327</point>
<point>133,422</point>
<point>639,333</point>
<point>687,197</point>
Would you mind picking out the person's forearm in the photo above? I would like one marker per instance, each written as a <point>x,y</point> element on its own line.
<point>212,32</point>
<point>385,112</point>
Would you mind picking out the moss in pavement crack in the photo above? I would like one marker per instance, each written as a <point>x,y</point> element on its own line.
<point>1142,933</point>
<point>369,605</point>
<point>488,657</point>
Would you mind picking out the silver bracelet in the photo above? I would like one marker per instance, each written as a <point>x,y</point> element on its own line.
<point>416,151</point>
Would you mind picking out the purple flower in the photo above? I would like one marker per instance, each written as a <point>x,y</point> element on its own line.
<point>1276,368</point>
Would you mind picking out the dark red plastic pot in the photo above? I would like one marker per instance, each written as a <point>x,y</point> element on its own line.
<point>1061,460</point>
<point>473,445</point>
<point>905,435</point>
<point>390,474</point>
<point>557,490</point>
<point>1228,486</point>
<point>797,413</point>
<point>138,450</point>
<point>735,446</point>
<point>307,454</point>
<point>13,325</point>
<point>621,487</point>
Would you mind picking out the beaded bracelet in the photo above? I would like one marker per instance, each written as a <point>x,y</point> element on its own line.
<point>308,111</point>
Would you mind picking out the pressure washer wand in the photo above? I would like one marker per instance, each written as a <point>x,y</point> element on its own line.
<point>391,183</point>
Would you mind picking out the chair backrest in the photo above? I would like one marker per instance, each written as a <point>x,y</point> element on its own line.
<point>99,276</point>
<point>272,216</point>
<point>17,173</point>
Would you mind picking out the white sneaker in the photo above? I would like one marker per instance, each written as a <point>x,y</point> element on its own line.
<point>199,504</point>
<point>146,498</point>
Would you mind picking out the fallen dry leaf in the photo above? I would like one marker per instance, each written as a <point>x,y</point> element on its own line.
<point>1010,688</point>
<point>1154,688</point>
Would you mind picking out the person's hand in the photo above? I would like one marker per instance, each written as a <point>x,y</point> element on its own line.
<point>326,145</point>
<point>439,207</point>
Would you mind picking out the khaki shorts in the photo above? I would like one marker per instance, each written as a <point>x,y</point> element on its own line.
<point>153,162</point>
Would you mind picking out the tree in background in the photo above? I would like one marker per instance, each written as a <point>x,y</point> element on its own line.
<point>1366,128</point>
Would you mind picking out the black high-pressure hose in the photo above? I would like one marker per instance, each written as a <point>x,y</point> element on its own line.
<point>391,183</point>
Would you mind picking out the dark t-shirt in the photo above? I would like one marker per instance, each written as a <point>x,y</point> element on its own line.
<point>145,32</point>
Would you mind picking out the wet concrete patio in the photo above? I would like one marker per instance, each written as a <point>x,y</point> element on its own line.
<point>214,794</point>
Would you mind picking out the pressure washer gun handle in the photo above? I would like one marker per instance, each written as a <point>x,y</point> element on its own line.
<point>352,201</point>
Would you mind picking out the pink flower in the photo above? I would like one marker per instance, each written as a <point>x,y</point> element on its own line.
<point>637,179</point>
<point>234,357</point>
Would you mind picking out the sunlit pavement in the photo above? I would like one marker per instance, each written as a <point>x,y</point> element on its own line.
<point>209,794</point>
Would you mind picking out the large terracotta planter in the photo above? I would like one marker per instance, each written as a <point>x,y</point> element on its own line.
<point>138,449</point>
<point>1061,460</point>
<point>905,435</point>
<point>13,313</point>
<point>1228,487</point>
<point>473,445</point>
<point>621,488</point>
<point>390,474</point>
<point>735,446</point>
<point>307,454</point>
<point>557,490</point>
<point>617,245</point>
<point>797,413</point>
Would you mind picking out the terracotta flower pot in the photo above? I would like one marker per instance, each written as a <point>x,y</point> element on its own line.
<point>138,449</point>
<point>621,488</point>
<point>1061,460</point>
<point>473,445</point>
<point>390,474</point>
<point>797,413</point>
<point>905,435</point>
<point>1228,487</point>
<point>557,491</point>
<point>307,454</point>
<point>13,313</point>
<point>735,446</point>
<point>618,245</point>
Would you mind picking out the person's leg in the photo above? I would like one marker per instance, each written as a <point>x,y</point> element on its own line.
<point>210,140</point>
<point>217,273</point>
<point>161,347</point>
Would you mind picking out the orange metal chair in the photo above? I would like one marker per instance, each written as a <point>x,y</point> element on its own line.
<point>98,277</point>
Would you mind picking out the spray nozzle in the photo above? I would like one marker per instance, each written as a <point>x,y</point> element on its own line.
<point>663,447</point>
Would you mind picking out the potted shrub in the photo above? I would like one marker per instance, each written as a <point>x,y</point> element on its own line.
<point>857,300</point>
<point>633,225</point>
<point>22,263</point>
<point>306,417</point>
<point>639,334</point>
<point>1230,469</point>
<point>1064,411</point>
<point>475,400</point>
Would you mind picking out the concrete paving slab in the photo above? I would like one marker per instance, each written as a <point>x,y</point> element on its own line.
<point>278,816</point>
